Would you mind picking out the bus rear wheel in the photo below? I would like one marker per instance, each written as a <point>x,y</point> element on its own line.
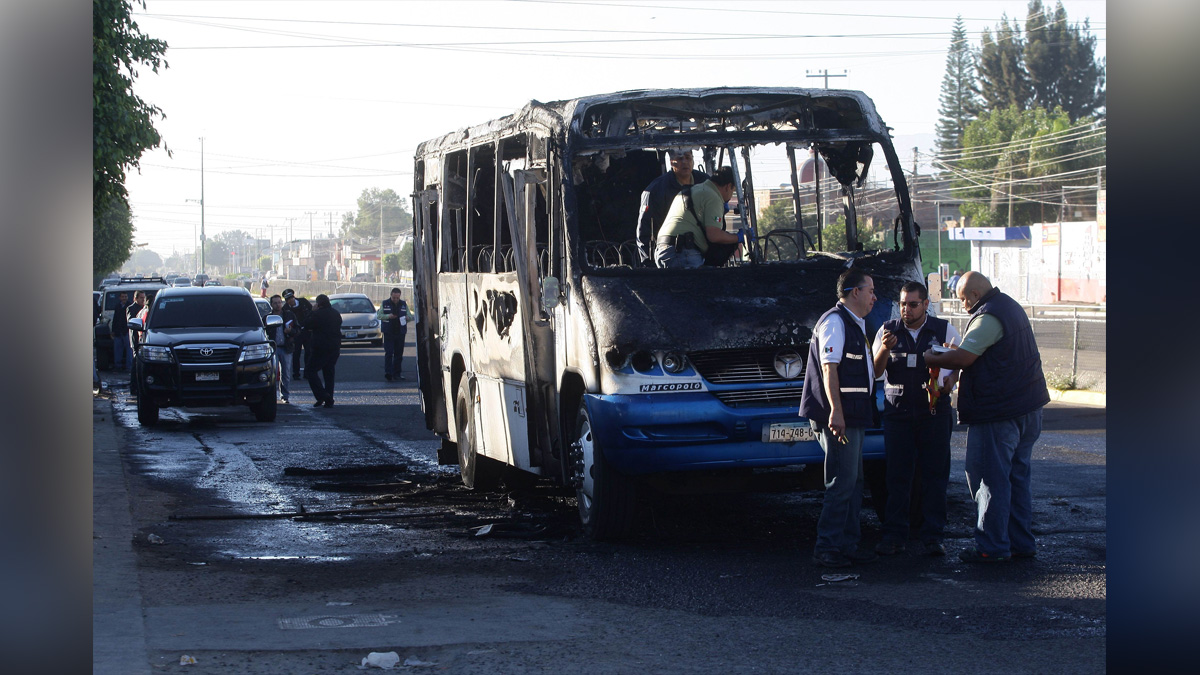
<point>606,497</point>
<point>478,472</point>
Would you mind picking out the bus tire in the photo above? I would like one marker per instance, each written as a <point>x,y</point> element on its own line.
<point>606,497</point>
<point>478,472</point>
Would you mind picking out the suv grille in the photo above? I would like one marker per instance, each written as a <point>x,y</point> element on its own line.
<point>743,366</point>
<point>193,355</point>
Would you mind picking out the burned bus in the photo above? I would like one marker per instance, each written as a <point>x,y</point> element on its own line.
<point>546,347</point>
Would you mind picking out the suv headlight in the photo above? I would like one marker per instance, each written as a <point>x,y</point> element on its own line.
<point>156,354</point>
<point>256,352</point>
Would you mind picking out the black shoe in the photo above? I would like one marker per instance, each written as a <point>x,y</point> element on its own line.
<point>972,555</point>
<point>318,404</point>
<point>859,556</point>
<point>830,559</point>
<point>935,548</point>
<point>401,377</point>
<point>329,403</point>
<point>1024,555</point>
<point>887,547</point>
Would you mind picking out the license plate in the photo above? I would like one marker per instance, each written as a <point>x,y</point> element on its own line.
<point>350,335</point>
<point>208,377</point>
<point>788,432</point>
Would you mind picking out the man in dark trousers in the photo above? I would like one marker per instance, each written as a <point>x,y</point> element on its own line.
<point>301,307</point>
<point>657,198</point>
<point>119,329</point>
<point>393,312</point>
<point>917,421</point>
<point>1000,398</point>
<point>838,400</point>
<point>324,328</point>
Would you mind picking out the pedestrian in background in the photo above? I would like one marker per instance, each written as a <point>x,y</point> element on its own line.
<point>301,307</point>
<point>393,313</point>
<point>917,420</point>
<point>119,330</point>
<point>1001,395</point>
<point>839,402</point>
<point>284,337</point>
<point>324,328</point>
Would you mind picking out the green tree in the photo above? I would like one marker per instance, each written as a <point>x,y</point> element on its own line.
<point>122,124</point>
<point>112,235</point>
<point>406,256</point>
<point>264,263</point>
<point>1024,157</point>
<point>959,102</point>
<point>391,262</point>
<point>1061,61</point>
<point>372,204</point>
<point>143,261</point>
<point>1003,81</point>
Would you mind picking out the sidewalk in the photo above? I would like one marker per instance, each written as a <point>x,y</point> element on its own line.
<point>1079,397</point>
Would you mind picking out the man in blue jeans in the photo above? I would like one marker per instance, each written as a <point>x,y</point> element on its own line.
<point>1000,398</point>
<point>838,399</point>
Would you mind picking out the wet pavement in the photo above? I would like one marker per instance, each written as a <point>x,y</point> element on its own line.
<point>300,546</point>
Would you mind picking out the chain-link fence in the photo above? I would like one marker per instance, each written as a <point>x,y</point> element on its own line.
<point>1072,340</point>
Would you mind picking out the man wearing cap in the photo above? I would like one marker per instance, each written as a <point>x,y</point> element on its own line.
<point>695,223</point>
<point>393,313</point>
<point>301,307</point>
<point>657,198</point>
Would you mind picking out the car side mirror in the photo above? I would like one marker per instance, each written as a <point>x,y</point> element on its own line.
<point>274,321</point>
<point>136,325</point>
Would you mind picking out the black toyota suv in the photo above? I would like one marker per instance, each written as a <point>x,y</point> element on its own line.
<point>204,346</point>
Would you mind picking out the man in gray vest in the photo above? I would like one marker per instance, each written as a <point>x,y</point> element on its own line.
<point>839,401</point>
<point>1000,398</point>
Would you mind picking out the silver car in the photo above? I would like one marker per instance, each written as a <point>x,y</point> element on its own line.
<point>359,320</point>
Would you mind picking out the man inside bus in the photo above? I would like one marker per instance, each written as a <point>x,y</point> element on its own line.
<point>839,402</point>
<point>696,220</point>
<point>657,198</point>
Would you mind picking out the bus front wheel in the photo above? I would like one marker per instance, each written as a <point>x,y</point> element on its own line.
<point>478,472</point>
<point>606,497</point>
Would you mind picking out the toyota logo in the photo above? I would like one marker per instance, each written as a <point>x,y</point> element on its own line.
<point>208,351</point>
<point>789,364</point>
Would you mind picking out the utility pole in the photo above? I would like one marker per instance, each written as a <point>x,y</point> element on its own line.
<point>825,74</point>
<point>202,205</point>
<point>1010,195</point>
<point>381,242</point>
<point>312,254</point>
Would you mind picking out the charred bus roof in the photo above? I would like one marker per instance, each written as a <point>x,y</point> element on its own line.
<point>681,117</point>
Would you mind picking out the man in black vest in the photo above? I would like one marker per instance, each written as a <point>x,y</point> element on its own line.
<point>1000,398</point>
<point>393,313</point>
<point>917,421</point>
<point>838,399</point>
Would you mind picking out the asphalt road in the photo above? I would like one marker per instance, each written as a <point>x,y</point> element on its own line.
<point>214,540</point>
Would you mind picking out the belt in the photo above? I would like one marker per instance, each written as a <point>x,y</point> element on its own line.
<point>673,240</point>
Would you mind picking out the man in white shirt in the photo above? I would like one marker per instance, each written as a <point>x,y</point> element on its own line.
<point>838,399</point>
<point>917,420</point>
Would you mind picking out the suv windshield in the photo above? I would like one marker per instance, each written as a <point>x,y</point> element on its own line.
<point>352,305</point>
<point>204,311</point>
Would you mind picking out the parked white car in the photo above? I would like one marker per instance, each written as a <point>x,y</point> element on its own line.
<point>359,321</point>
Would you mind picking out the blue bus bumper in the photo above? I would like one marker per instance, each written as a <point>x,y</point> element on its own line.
<point>643,433</point>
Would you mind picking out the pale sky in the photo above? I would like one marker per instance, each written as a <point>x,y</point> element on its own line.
<point>305,103</point>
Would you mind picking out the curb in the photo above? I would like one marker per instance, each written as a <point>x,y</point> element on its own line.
<point>1079,396</point>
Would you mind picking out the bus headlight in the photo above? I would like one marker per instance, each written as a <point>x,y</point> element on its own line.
<point>673,362</point>
<point>642,361</point>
